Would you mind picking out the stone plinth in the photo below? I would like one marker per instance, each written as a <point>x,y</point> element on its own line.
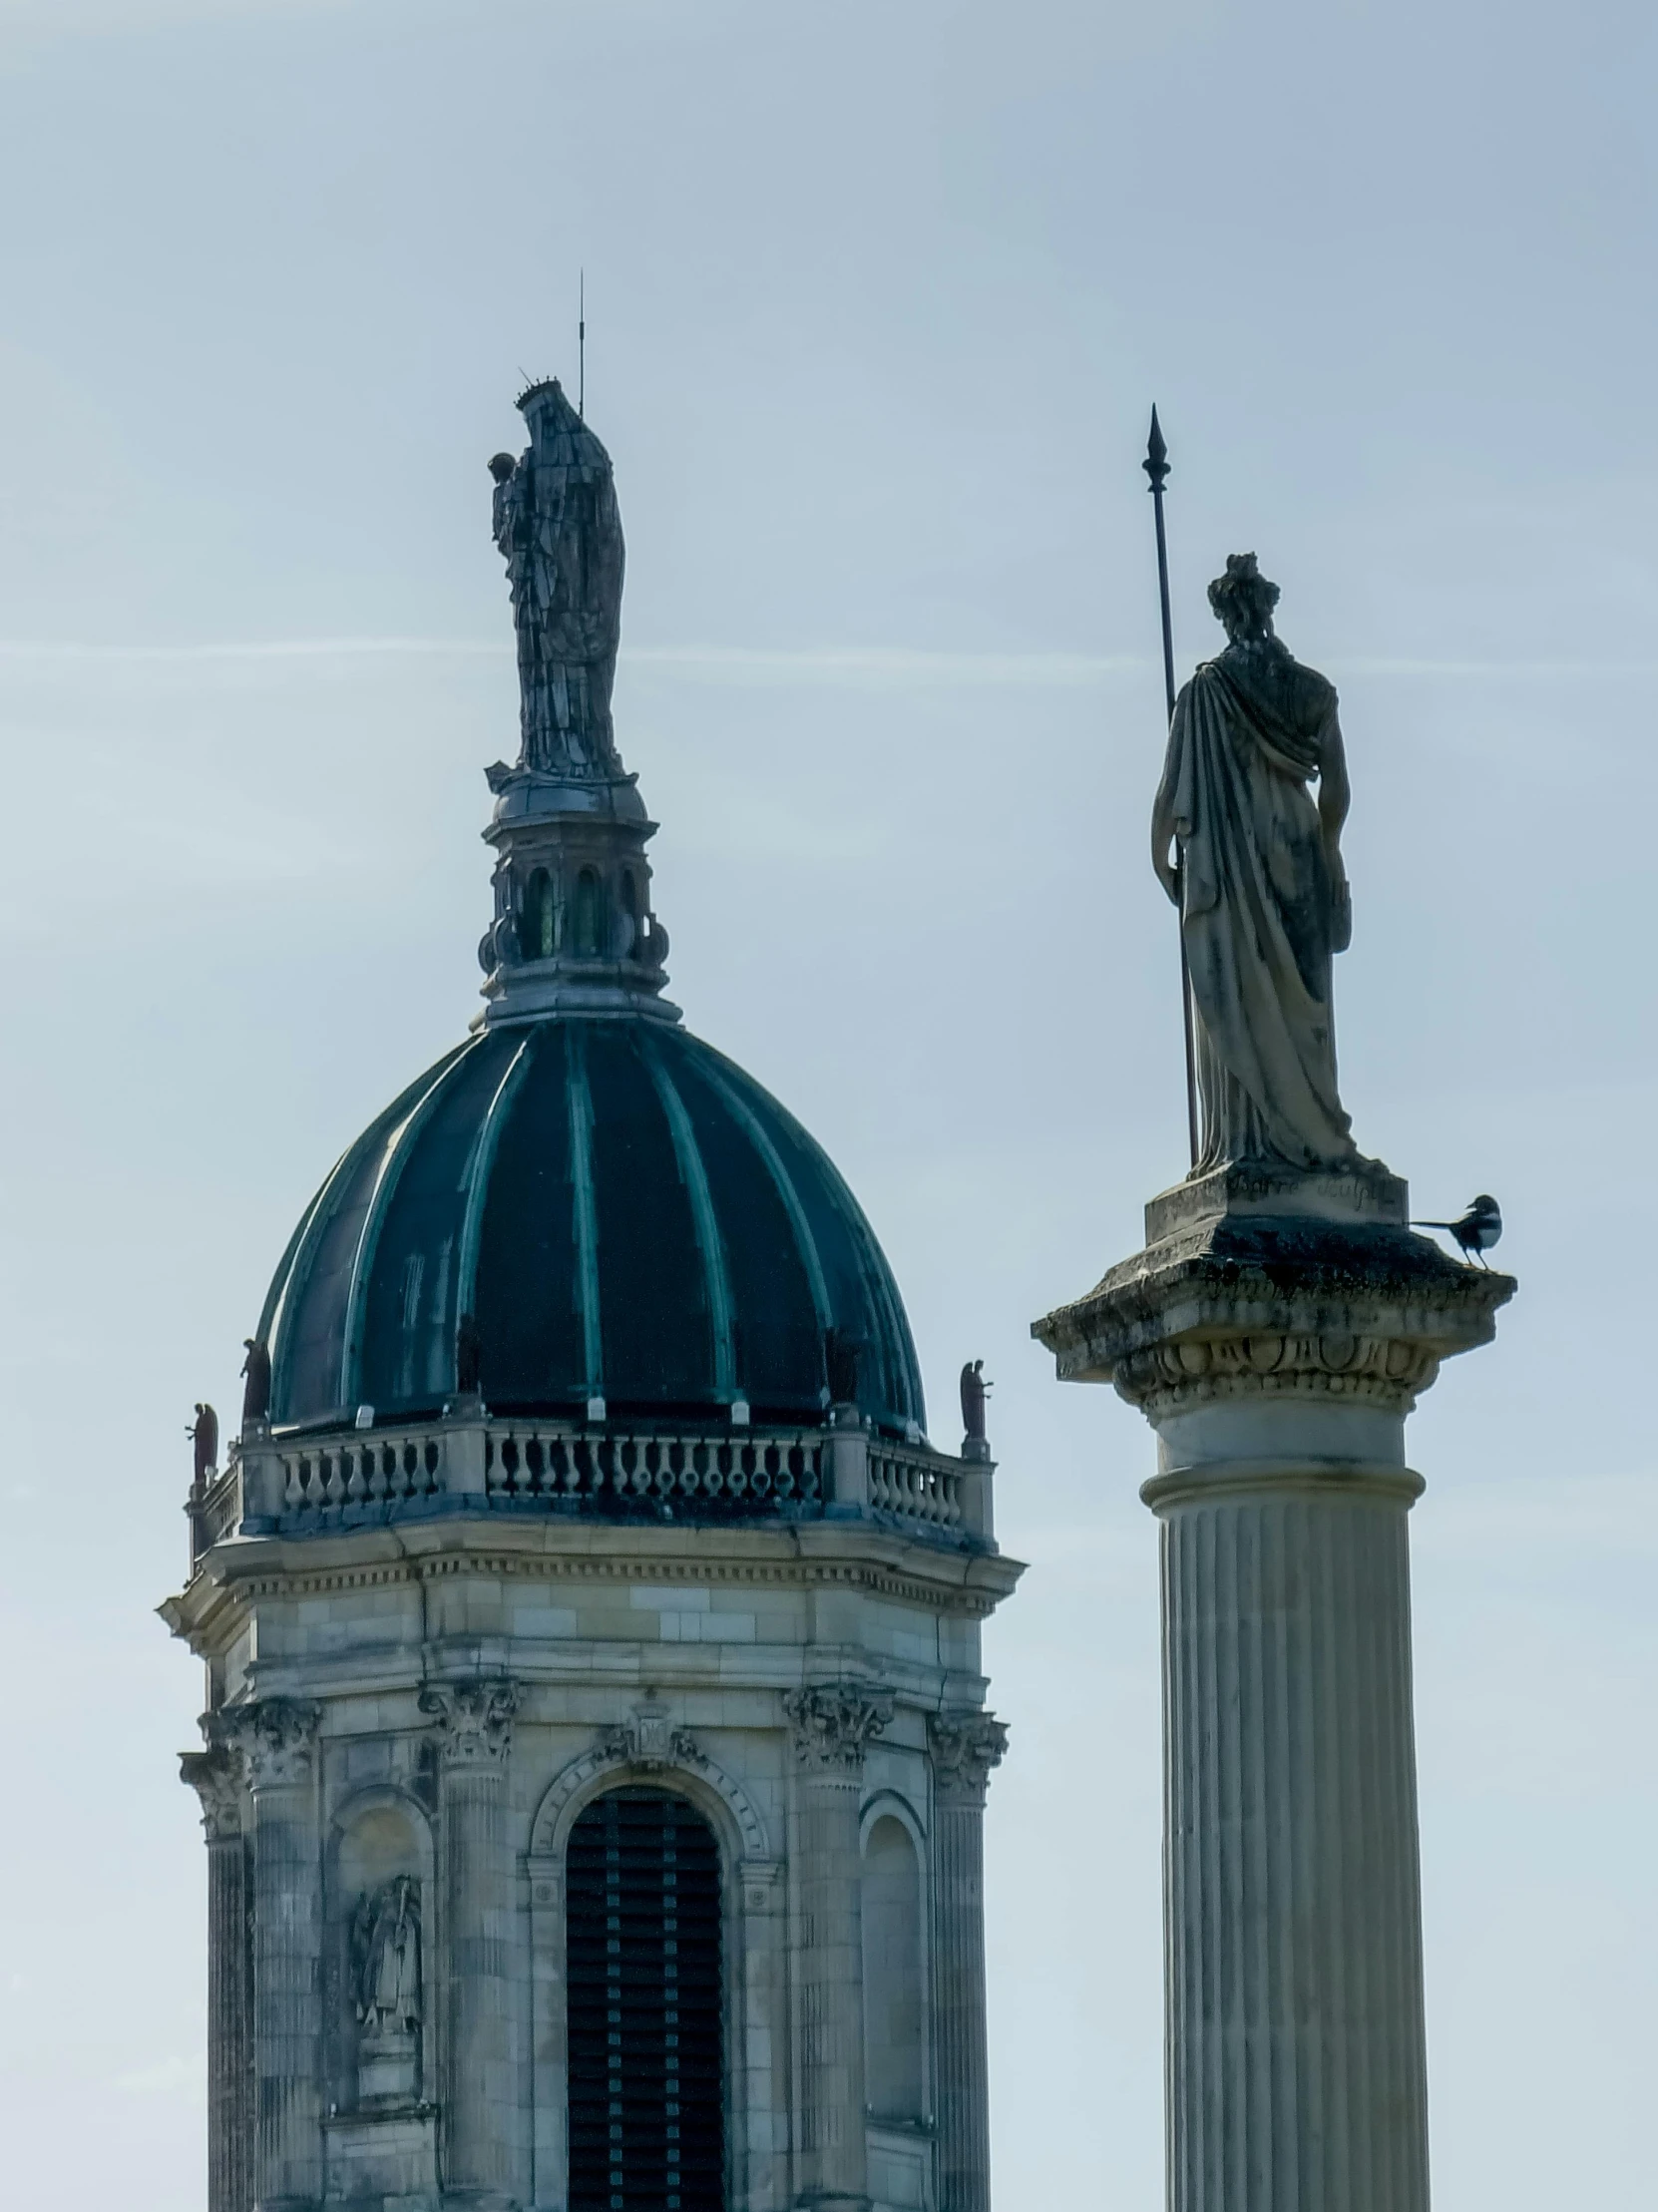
<point>1276,1332</point>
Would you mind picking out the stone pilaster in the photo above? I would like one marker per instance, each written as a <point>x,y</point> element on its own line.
<point>1276,1333</point>
<point>215,1776</point>
<point>481,2118</point>
<point>277,1741</point>
<point>964,1747</point>
<point>832,1726</point>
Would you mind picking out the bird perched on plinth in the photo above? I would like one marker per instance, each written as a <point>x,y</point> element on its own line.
<point>1476,1231</point>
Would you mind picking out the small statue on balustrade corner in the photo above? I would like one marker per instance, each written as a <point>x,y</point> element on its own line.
<point>204,1433</point>
<point>1253,861</point>
<point>975,1389</point>
<point>256,1372</point>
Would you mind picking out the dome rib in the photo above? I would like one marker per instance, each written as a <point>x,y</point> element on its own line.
<point>585,1211</point>
<point>755,1131</point>
<point>710,1245</point>
<point>474,1177</point>
<point>397,1152</point>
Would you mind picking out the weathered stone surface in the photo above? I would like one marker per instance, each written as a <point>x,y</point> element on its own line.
<point>479,1680</point>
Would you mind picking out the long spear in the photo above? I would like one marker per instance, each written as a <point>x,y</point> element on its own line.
<point>1155,465</point>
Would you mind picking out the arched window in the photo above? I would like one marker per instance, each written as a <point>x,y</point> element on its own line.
<point>645,2036</point>
<point>894,2075</point>
<point>589,943</point>
<point>538,934</point>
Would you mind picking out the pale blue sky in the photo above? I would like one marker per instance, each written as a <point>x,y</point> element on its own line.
<point>878,299</point>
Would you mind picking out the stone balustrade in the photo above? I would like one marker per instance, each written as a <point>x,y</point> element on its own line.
<point>304,1484</point>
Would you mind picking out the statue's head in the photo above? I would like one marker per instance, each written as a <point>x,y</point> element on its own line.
<point>502,466</point>
<point>1243,600</point>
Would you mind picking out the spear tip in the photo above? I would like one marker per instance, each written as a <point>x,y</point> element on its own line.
<point>1155,463</point>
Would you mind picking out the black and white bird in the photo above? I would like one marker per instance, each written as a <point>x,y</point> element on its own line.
<point>1476,1231</point>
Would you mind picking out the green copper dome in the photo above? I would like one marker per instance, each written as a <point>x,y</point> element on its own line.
<point>625,1216</point>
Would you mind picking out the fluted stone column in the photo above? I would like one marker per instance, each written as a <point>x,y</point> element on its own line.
<point>964,1747</point>
<point>832,1726</point>
<point>481,2118</point>
<point>277,1741</point>
<point>215,1776</point>
<point>1276,1332</point>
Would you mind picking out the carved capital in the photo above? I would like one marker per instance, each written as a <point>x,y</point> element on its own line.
<point>475,1721</point>
<point>650,1742</point>
<point>215,1777</point>
<point>1183,1371</point>
<point>277,1738</point>
<point>833,1723</point>
<point>964,1747</point>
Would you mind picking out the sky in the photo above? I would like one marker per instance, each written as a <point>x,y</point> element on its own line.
<point>878,299</point>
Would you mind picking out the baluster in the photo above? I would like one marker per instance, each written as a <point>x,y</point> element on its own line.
<point>356,1489</point>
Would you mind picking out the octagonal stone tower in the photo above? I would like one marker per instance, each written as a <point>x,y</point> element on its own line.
<point>595,1746</point>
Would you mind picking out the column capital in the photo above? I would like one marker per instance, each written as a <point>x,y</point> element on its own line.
<point>215,1777</point>
<point>964,1747</point>
<point>1259,1285</point>
<point>832,1724</point>
<point>275,1738</point>
<point>475,1721</point>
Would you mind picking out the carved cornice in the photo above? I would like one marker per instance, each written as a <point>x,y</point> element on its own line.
<point>833,1723</point>
<point>275,1737</point>
<point>964,1747</point>
<point>215,1777</point>
<point>475,1721</point>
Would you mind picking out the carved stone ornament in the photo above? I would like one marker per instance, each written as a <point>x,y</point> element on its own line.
<point>1191,1371</point>
<point>650,1742</point>
<point>964,1747</point>
<point>833,1724</point>
<point>476,1720</point>
<point>277,1738</point>
<point>215,1777</point>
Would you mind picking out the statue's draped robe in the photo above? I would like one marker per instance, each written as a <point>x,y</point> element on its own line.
<point>558,524</point>
<point>1260,910</point>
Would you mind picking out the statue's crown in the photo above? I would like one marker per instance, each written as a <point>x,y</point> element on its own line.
<point>543,393</point>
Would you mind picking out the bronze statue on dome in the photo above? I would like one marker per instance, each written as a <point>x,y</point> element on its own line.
<point>558,529</point>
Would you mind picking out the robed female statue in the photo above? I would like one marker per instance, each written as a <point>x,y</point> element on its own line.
<point>1252,859</point>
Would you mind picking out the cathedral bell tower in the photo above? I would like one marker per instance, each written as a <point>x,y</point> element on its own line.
<point>595,1750</point>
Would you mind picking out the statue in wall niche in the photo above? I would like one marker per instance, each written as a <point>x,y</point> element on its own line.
<point>559,527</point>
<point>1252,858</point>
<point>386,1959</point>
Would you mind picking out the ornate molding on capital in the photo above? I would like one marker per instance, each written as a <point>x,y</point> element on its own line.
<point>475,1721</point>
<point>1384,1371</point>
<point>215,1777</point>
<point>833,1723</point>
<point>275,1737</point>
<point>964,1747</point>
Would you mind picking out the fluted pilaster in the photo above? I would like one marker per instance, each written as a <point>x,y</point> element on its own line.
<point>277,1741</point>
<point>482,2099</point>
<point>215,1776</point>
<point>832,1727</point>
<point>964,1747</point>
